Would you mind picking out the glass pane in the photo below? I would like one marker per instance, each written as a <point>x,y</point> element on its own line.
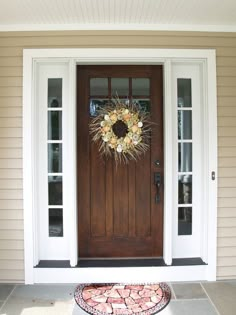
<point>144,105</point>
<point>140,86</point>
<point>185,189</point>
<point>54,125</point>
<point>119,87</point>
<point>55,222</point>
<point>54,158</point>
<point>185,124</point>
<point>54,92</point>
<point>95,104</point>
<point>99,86</point>
<point>185,221</point>
<point>184,93</point>
<point>55,190</point>
<point>185,157</point>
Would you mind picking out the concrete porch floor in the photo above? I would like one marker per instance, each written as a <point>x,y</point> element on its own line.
<point>198,298</point>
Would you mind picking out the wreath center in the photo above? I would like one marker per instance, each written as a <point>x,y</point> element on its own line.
<point>120,129</point>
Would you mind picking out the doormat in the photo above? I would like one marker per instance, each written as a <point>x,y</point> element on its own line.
<point>122,299</point>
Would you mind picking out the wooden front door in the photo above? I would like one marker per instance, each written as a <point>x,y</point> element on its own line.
<point>120,209</point>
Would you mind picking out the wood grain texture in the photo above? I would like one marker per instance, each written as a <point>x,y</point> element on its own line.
<point>118,216</point>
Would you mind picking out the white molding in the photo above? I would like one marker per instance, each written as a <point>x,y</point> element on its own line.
<point>168,160</point>
<point>118,27</point>
<point>113,275</point>
<point>117,56</point>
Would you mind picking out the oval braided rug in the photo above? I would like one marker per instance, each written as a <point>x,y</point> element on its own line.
<point>122,299</point>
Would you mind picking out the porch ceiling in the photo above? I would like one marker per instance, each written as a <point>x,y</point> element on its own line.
<point>207,15</point>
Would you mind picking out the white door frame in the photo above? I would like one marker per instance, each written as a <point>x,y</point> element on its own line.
<point>119,56</point>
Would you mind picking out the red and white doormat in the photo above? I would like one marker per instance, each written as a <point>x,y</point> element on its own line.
<point>122,299</point>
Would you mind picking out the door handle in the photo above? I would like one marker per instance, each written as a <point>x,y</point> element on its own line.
<point>157,182</point>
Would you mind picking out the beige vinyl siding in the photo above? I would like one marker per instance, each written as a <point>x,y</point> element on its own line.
<point>11,61</point>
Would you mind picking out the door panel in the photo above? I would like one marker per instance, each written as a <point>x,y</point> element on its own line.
<point>117,211</point>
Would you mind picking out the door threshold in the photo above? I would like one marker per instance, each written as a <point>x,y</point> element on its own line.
<point>109,263</point>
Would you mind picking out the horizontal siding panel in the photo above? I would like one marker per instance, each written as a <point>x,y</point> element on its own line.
<point>226,61</point>
<point>11,235</point>
<point>226,52</point>
<point>225,182</point>
<point>11,215</point>
<point>227,121</point>
<point>11,153</point>
<point>120,39</point>
<point>226,151</point>
<point>11,132</point>
<point>11,205</point>
<point>11,163</point>
<point>14,194</point>
<point>224,141</point>
<point>13,276</point>
<point>11,225</point>
<point>226,71</point>
<point>11,81</point>
<point>8,174</point>
<point>227,132</point>
<point>11,71</point>
<point>226,81</point>
<point>226,101</point>
<point>226,251</point>
<point>11,245</point>
<point>11,91</point>
<point>9,264</point>
<point>11,61</point>
<point>226,91</point>
<point>226,261</point>
<point>15,101</point>
<point>10,122</point>
<point>228,192</point>
<point>227,111</point>
<point>10,143</point>
<point>227,222</point>
<point>225,161</point>
<point>227,232</point>
<point>226,202</point>
<point>11,255</point>
<point>11,184</point>
<point>18,52</point>
<point>226,241</point>
<point>227,212</point>
<point>10,112</point>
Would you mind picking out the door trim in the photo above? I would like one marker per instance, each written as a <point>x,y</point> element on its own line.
<point>72,57</point>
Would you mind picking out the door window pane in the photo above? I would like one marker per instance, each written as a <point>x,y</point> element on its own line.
<point>54,92</point>
<point>184,124</point>
<point>141,86</point>
<point>55,222</point>
<point>99,86</point>
<point>55,190</point>
<point>185,157</point>
<point>185,189</point>
<point>95,105</point>
<point>119,87</point>
<point>54,125</point>
<point>54,158</point>
<point>184,92</point>
<point>185,221</point>
<point>144,105</point>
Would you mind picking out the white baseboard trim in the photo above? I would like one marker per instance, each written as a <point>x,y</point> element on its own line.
<point>127,274</point>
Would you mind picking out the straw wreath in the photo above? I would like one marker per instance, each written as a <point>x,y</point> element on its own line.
<point>122,130</point>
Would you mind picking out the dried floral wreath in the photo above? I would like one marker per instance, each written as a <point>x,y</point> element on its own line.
<point>122,130</point>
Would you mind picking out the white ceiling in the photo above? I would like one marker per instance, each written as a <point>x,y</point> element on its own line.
<point>205,15</point>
